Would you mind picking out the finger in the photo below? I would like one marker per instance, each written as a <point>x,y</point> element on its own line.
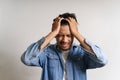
<point>58,19</point>
<point>71,19</point>
<point>55,20</point>
<point>68,19</point>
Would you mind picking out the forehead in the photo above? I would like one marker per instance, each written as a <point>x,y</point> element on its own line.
<point>64,29</point>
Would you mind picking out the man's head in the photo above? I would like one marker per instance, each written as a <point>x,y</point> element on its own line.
<point>67,15</point>
<point>65,38</point>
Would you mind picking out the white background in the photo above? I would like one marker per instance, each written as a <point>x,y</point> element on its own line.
<point>23,22</point>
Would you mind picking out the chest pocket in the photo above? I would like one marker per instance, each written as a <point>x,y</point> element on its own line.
<point>52,60</point>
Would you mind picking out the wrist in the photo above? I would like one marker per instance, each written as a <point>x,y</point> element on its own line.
<point>54,32</point>
<point>79,37</point>
<point>76,34</point>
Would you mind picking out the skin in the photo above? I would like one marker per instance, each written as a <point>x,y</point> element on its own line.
<point>65,40</point>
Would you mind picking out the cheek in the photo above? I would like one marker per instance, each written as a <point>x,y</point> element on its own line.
<point>58,39</point>
<point>71,40</point>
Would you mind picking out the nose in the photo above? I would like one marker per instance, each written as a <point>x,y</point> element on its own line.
<point>65,38</point>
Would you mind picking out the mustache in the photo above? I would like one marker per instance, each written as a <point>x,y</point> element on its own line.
<point>62,42</point>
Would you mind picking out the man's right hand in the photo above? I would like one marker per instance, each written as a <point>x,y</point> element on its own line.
<point>55,30</point>
<point>56,25</point>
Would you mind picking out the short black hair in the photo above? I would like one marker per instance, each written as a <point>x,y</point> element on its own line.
<point>66,15</point>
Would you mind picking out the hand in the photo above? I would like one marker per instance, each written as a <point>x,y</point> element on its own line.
<point>56,25</point>
<point>51,35</point>
<point>73,25</point>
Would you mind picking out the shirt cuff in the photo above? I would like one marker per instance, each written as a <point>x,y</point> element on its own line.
<point>41,41</point>
<point>97,50</point>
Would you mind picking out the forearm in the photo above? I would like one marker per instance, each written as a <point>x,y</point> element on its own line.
<point>29,57</point>
<point>48,38</point>
<point>74,30</point>
<point>81,39</point>
<point>51,35</point>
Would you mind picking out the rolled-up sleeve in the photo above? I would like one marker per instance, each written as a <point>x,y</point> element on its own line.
<point>97,60</point>
<point>31,56</point>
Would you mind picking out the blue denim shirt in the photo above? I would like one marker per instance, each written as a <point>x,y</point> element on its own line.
<point>50,60</point>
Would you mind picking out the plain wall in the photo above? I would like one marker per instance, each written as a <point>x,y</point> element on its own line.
<point>23,22</point>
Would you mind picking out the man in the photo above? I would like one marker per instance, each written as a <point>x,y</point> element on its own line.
<point>64,60</point>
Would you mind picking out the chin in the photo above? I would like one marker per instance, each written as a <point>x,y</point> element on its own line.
<point>65,49</point>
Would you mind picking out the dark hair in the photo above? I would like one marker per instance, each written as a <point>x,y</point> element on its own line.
<point>64,22</point>
<point>66,15</point>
